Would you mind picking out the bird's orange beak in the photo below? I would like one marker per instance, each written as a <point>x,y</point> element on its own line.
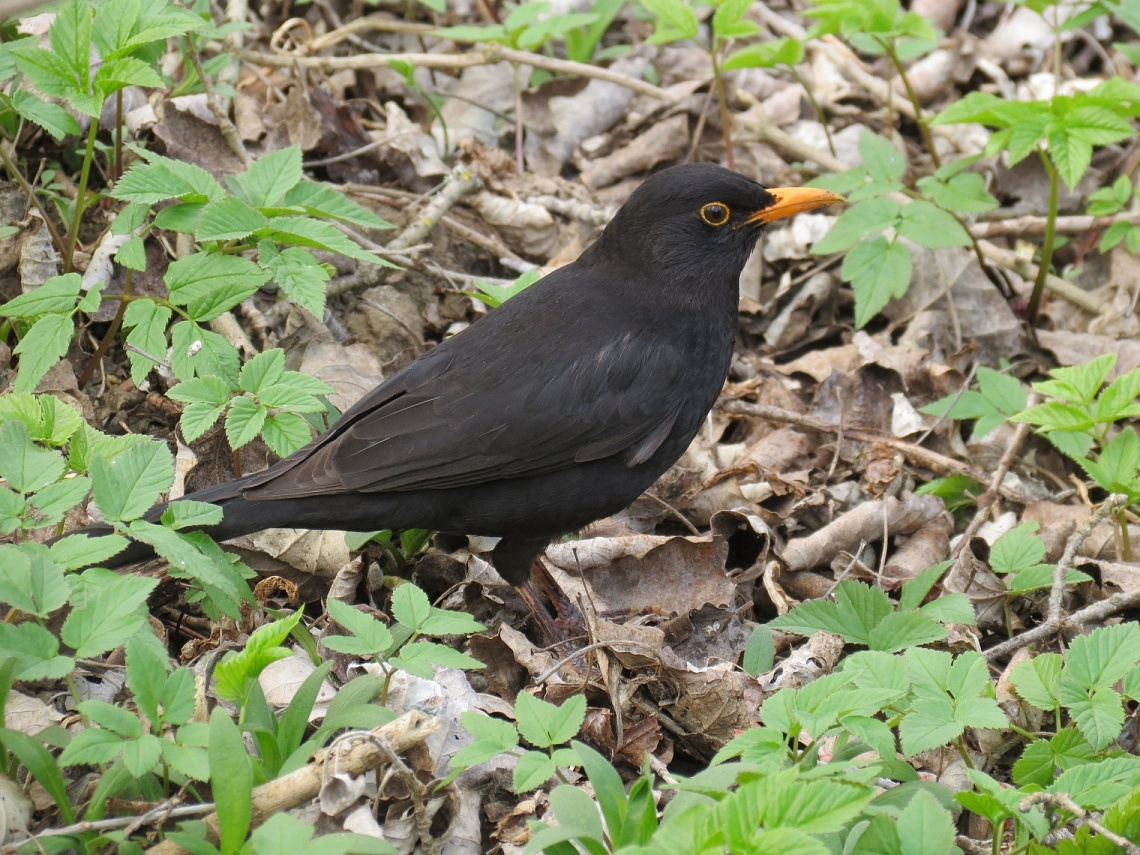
<point>793,200</point>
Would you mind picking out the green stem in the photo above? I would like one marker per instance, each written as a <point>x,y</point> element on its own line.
<point>960,744</point>
<point>912,96</point>
<point>109,337</point>
<point>80,197</point>
<point>1047,244</point>
<point>117,171</point>
<point>819,114</point>
<point>722,106</point>
<point>17,176</point>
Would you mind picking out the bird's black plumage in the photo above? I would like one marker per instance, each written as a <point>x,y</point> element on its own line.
<point>558,408</point>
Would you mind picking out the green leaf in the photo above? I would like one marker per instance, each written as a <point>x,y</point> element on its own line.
<point>42,766</point>
<point>271,176</point>
<point>107,609</point>
<point>58,295</point>
<point>1104,656</point>
<point>229,219</point>
<point>244,421</point>
<point>858,221</point>
<point>197,352</point>
<point>73,553</point>
<point>545,725</point>
<point>926,826</point>
<point>42,347</point>
<point>147,322</point>
<point>878,270</point>
<point>124,71</point>
<point>51,117</point>
<point>472,34</point>
<point>1036,680</point>
<point>410,606</point>
<point>964,193</point>
<point>884,162</point>
<point>1017,549</point>
<point>421,658</point>
<point>284,433</point>
<point>674,21</point>
<point>25,466</point>
<point>31,582</point>
<point>35,652</point>
<point>577,814</point>
<point>208,284</point>
<point>231,780</point>
<point>237,668</point>
<point>300,275</point>
<point>532,770</point>
<point>759,652</point>
<point>323,201</point>
<point>900,630</point>
<point>54,501</point>
<point>127,484</point>
<point>931,227</point>
<point>783,51</point>
<point>369,636</point>
<point>314,234</point>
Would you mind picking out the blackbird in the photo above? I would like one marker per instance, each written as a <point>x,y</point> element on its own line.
<point>558,408</point>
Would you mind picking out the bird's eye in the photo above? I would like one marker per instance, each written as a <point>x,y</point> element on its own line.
<point>715,213</point>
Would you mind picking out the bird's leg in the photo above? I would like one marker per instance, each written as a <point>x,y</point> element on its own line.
<point>567,612</point>
<point>551,632</point>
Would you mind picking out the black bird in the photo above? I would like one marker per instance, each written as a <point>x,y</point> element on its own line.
<point>555,410</point>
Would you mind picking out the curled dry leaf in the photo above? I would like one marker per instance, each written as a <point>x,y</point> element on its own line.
<point>625,573</point>
<point>529,229</point>
<point>564,121</point>
<point>925,548</point>
<point>865,523</point>
<point>663,142</point>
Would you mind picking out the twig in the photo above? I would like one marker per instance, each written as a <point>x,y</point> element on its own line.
<point>160,813</point>
<point>914,453</point>
<point>485,55</point>
<point>1065,803</point>
<point>1034,225</point>
<point>221,114</point>
<point>990,496</point>
<point>1054,620</point>
<point>460,182</point>
<point>299,787</point>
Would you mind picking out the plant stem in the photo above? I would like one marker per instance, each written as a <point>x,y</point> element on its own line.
<point>1047,243</point>
<point>815,105</point>
<point>1125,541</point>
<point>912,96</point>
<point>117,170</point>
<point>80,197</point>
<point>109,337</point>
<point>722,105</point>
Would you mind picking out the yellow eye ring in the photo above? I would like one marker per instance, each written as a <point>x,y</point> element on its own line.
<point>715,214</point>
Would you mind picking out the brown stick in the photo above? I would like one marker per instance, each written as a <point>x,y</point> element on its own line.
<point>299,787</point>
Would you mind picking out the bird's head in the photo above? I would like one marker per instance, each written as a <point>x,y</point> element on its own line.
<point>701,220</point>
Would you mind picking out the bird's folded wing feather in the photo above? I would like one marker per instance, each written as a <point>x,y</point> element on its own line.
<point>449,420</point>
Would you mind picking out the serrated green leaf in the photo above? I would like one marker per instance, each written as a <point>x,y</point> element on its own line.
<point>127,484</point>
<point>858,221</point>
<point>271,176</point>
<point>107,609</point>
<point>228,219</point>
<point>244,421</point>
<point>878,271</point>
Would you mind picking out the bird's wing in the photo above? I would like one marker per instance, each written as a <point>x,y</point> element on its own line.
<point>467,415</point>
